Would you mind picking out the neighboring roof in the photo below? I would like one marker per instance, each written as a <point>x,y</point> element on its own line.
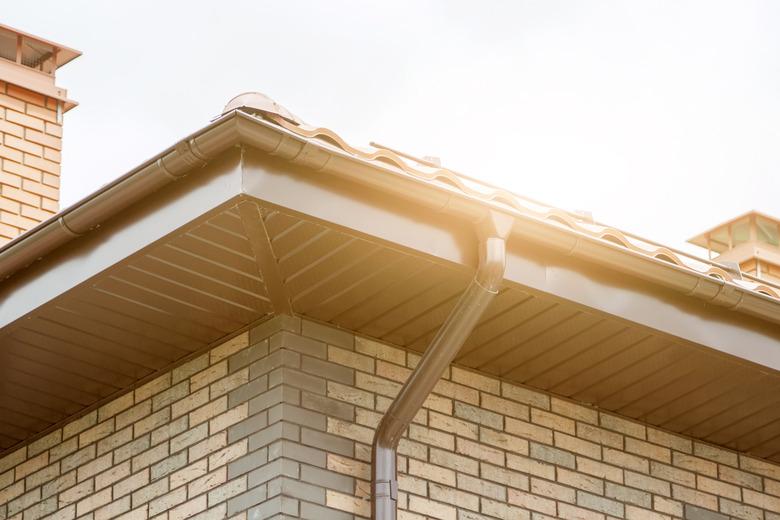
<point>701,238</point>
<point>64,54</point>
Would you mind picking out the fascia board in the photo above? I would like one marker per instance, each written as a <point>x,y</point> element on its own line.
<point>127,233</point>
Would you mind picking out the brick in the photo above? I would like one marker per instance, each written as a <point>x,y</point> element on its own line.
<point>231,382</point>
<point>581,481</point>
<point>552,421</point>
<point>601,470</point>
<point>45,165</point>
<point>149,457</point>
<point>153,387</point>
<point>92,502</point>
<point>94,467</point>
<point>114,509</point>
<point>188,473</point>
<point>131,484</point>
<point>481,452</point>
<point>397,373</point>
<point>131,449</point>
<point>328,370</point>
<point>624,426</point>
<point>761,500</point>
<point>475,380</point>
<point>113,474</point>
<point>502,510</point>
<point>23,171</point>
<point>25,95</point>
<point>172,394</point>
<point>672,474</point>
<point>479,416</point>
<point>23,145</point>
<point>151,422</point>
<point>651,451</point>
<point>583,447</point>
<point>453,425</point>
<point>328,334</point>
<point>626,460</point>
<point>229,347</point>
<point>380,351</point>
<point>167,501</point>
<point>628,495</point>
<point>530,466</point>
<point>738,510</point>
<point>696,513</point>
<point>692,496</point>
<point>82,456</point>
<point>31,465</point>
<point>348,503</point>
<point>458,499</point>
<point>714,454</point>
<point>695,464</point>
<point>351,359</point>
<point>716,487</point>
<point>168,465</point>
<point>55,486</point>
<point>430,472</point>
<point>532,502</point>
<point>669,440</point>
<point>450,460</point>
<point>670,507</point>
<point>598,503</point>
<point>651,484</point>
<point>431,508</point>
<point>149,492</point>
<point>226,491</point>
<point>97,432</point>
<point>552,490</point>
<point>458,392</point>
<point>760,467</point>
<point>133,414</point>
<point>552,455</point>
<point>575,411</point>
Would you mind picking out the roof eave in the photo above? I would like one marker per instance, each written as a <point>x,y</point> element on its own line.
<point>236,128</point>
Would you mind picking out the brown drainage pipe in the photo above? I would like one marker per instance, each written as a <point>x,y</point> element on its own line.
<point>438,356</point>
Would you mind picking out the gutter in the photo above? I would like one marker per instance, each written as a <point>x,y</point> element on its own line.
<point>238,127</point>
<point>445,345</point>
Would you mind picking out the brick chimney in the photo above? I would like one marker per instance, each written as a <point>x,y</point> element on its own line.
<point>31,110</point>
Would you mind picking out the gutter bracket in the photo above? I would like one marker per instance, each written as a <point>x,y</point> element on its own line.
<point>492,231</point>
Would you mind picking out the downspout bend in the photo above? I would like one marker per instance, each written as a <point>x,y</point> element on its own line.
<point>492,231</point>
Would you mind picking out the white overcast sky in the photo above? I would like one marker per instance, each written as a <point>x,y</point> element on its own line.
<point>660,117</point>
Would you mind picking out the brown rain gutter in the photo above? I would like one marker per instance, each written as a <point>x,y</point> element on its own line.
<point>445,345</point>
<point>240,128</point>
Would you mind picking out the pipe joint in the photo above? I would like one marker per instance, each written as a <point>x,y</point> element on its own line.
<point>445,345</point>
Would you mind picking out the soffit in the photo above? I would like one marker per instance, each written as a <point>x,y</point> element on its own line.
<point>204,281</point>
<point>174,298</point>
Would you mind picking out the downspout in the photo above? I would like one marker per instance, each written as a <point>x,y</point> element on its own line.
<point>492,231</point>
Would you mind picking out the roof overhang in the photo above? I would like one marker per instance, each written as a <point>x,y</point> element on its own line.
<point>246,219</point>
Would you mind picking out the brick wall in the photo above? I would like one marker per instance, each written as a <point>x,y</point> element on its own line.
<point>30,145</point>
<point>277,423</point>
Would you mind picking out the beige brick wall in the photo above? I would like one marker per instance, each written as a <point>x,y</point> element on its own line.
<point>278,422</point>
<point>30,156</point>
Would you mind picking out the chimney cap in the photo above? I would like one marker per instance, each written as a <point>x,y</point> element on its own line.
<point>256,101</point>
<point>62,53</point>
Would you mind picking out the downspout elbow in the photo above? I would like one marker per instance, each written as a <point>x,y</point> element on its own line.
<point>447,342</point>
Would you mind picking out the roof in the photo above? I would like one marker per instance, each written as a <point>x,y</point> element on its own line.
<point>256,215</point>
<point>701,238</point>
<point>485,192</point>
<point>64,54</point>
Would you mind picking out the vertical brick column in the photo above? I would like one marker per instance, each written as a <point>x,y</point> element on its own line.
<point>30,156</point>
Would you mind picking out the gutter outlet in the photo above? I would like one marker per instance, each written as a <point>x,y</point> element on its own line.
<point>492,231</point>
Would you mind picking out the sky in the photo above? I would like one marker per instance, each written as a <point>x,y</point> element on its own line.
<point>661,118</point>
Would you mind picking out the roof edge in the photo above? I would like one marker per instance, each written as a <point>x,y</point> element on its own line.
<point>240,128</point>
